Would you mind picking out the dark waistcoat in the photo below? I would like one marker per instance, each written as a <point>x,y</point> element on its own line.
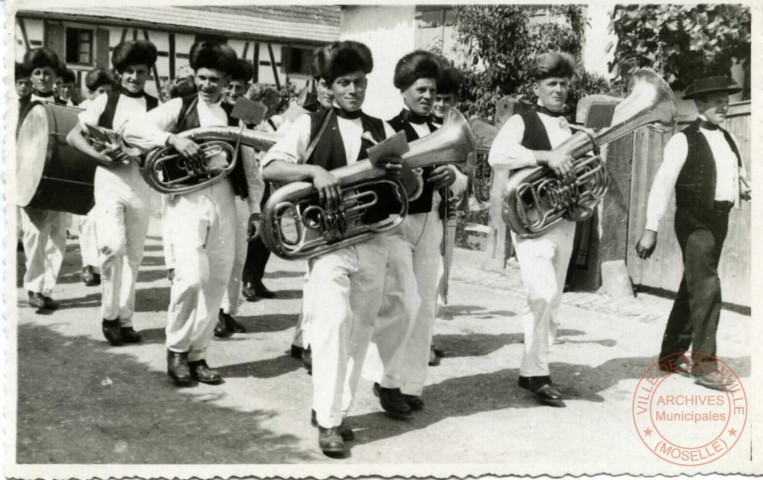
<point>535,136</point>
<point>422,204</point>
<point>106,120</point>
<point>695,186</point>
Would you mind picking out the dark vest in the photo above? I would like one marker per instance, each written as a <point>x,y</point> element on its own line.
<point>695,186</point>
<point>329,153</point>
<point>535,136</point>
<point>189,119</point>
<point>423,204</point>
<point>106,120</point>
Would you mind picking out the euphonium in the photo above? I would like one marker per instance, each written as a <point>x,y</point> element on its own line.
<point>166,171</point>
<point>536,199</point>
<point>296,225</point>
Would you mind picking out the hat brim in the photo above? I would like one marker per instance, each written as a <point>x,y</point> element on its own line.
<point>729,90</point>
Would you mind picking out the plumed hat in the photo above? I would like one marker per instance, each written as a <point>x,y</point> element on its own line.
<point>704,86</point>
<point>41,57</point>
<point>214,55</point>
<point>341,58</point>
<point>136,52</point>
<point>450,82</point>
<point>553,64</point>
<point>21,72</point>
<point>97,77</point>
<point>67,76</point>
<point>243,71</point>
<point>415,65</point>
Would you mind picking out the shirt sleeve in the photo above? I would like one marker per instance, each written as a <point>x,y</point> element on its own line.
<point>507,150</point>
<point>254,182</point>
<point>152,129</point>
<point>293,146</point>
<point>92,114</point>
<point>673,161</point>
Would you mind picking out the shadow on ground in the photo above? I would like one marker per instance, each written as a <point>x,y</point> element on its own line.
<point>137,417</point>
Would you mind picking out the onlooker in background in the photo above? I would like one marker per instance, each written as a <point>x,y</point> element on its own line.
<point>66,88</point>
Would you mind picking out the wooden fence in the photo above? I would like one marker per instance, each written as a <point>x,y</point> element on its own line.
<point>664,269</point>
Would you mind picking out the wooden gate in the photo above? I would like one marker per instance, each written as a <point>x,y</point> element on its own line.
<point>665,268</point>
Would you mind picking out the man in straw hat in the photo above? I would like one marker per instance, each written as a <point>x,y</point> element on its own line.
<point>703,164</point>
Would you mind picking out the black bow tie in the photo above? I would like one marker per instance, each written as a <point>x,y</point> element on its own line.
<point>341,113</point>
<point>707,125</point>
<point>412,117</point>
<point>43,95</point>
<point>546,111</point>
<point>127,93</point>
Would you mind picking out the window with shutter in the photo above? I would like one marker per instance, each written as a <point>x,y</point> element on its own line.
<point>79,46</point>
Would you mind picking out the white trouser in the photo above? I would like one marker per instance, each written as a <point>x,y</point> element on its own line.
<point>232,296</point>
<point>419,255</point>
<point>44,246</point>
<point>543,262</point>
<point>343,296</point>
<point>122,212</point>
<point>300,330</point>
<point>202,234</point>
<point>88,243</point>
<point>169,255</point>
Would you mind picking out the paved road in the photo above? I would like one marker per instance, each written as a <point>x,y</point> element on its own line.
<point>82,401</point>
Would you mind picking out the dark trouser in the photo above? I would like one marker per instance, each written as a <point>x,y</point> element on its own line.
<point>257,255</point>
<point>697,308</point>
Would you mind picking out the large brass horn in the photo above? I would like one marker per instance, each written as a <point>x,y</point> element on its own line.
<point>166,171</point>
<point>535,199</point>
<point>296,225</point>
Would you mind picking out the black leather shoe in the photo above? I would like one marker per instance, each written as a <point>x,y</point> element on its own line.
<point>438,351</point>
<point>112,331</point>
<point>331,443</point>
<point>296,352</point>
<point>221,329</point>
<point>200,371</point>
<point>344,430</point>
<point>261,291</point>
<point>392,401</point>
<point>434,360</point>
<point>50,304</point>
<point>36,300</point>
<point>237,326</point>
<point>88,276</point>
<point>545,391</point>
<point>248,292</point>
<point>415,402</point>
<point>714,382</point>
<point>680,366</point>
<point>177,368</point>
<point>307,360</point>
<point>129,335</point>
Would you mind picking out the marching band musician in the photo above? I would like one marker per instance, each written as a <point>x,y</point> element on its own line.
<point>44,230</point>
<point>704,166</point>
<point>200,223</point>
<point>122,197</point>
<point>410,286</point>
<point>528,140</point>
<point>344,288</point>
<point>227,325</point>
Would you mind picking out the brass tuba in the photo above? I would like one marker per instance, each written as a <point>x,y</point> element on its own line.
<point>166,171</point>
<point>296,225</point>
<point>535,199</point>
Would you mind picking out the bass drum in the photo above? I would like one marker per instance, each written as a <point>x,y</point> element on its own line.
<point>50,174</point>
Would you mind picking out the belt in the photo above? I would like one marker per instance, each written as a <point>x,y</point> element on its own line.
<point>722,207</point>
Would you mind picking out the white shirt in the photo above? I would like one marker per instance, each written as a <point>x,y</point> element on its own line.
<point>674,158</point>
<point>293,146</point>
<point>127,108</point>
<point>35,98</point>
<point>507,149</point>
<point>152,129</point>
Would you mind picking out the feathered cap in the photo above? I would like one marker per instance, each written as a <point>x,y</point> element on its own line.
<point>97,77</point>
<point>341,58</point>
<point>40,58</point>
<point>213,55</point>
<point>415,65</point>
<point>553,64</point>
<point>136,52</point>
<point>450,82</point>
<point>243,70</point>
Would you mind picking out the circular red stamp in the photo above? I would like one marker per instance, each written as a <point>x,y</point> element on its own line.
<point>689,409</point>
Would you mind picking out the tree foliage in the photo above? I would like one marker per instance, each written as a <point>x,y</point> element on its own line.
<point>500,43</point>
<point>680,42</point>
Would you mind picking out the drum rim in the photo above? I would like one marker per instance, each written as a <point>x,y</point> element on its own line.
<point>50,118</point>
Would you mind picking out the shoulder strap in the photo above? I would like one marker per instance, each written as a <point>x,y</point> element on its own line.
<point>189,103</point>
<point>317,138</point>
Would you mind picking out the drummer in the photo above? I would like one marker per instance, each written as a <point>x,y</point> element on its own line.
<point>44,234</point>
<point>122,197</point>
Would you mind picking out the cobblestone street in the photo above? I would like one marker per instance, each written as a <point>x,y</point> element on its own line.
<point>120,406</point>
